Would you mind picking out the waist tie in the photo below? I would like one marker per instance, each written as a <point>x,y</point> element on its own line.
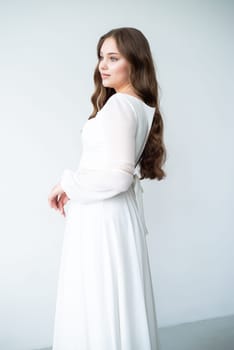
<point>138,190</point>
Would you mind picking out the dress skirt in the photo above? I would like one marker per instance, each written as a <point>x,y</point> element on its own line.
<point>105,297</point>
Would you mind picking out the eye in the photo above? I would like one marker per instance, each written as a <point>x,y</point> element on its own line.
<point>113,58</point>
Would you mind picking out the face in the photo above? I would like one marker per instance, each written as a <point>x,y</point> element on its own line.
<point>113,67</point>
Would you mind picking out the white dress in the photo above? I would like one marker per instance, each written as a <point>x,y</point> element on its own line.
<point>105,297</point>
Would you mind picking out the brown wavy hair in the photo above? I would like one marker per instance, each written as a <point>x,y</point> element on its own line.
<point>133,45</point>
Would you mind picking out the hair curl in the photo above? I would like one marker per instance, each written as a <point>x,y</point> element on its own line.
<point>133,45</point>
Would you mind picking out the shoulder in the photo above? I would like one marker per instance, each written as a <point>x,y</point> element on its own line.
<point>119,102</point>
<point>118,112</point>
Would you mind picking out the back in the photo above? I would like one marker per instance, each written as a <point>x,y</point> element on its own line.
<point>134,119</point>
<point>144,114</point>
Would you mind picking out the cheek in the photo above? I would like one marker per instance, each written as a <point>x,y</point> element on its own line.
<point>122,70</point>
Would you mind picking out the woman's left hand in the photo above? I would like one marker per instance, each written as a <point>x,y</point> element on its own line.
<point>55,197</point>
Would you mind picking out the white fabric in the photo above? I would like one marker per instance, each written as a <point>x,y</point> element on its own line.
<point>105,295</point>
<point>109,167</point>
<point>138,190</point>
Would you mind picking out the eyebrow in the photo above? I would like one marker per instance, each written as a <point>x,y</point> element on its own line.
<point>110,53</point>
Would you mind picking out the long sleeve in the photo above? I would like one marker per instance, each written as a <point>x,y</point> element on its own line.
<point>110,167</point>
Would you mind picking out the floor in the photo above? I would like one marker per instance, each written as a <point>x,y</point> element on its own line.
<point>214,334</point>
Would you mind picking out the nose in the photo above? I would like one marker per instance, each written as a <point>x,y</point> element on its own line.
<point>103,64</point>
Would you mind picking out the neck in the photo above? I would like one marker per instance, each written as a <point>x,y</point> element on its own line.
<point>127,89</point>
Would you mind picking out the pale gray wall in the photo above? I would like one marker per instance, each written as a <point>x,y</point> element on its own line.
<point>47,57</point>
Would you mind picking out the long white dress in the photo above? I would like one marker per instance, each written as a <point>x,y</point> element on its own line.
<point>105,297</point>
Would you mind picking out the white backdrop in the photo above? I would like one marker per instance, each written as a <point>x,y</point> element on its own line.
<point>47,58</point>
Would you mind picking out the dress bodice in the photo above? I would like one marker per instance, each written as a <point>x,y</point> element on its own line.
<point>93,132</point>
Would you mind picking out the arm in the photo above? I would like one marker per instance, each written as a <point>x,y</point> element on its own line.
<point>114,173</point>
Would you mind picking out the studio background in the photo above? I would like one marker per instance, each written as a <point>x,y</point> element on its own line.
<point>47,59</point>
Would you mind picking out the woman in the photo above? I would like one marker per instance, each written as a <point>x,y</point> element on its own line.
<point>105,296</point>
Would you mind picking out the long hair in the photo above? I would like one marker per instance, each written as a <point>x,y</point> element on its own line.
<point>133,45</point>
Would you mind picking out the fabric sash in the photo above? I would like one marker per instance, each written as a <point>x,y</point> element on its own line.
<point>138,190</point>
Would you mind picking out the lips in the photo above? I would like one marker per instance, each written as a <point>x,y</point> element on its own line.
<point>105,75</point>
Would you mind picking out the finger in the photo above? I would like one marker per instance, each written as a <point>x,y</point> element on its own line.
<point>62,200</point>
<point>53,203</point>
<point>60,204</point>
<point>66,199</point>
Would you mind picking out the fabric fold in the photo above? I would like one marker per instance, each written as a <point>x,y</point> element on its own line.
<point>138,190</point>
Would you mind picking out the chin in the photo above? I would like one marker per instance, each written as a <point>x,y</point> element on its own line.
<point>107,85</point>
